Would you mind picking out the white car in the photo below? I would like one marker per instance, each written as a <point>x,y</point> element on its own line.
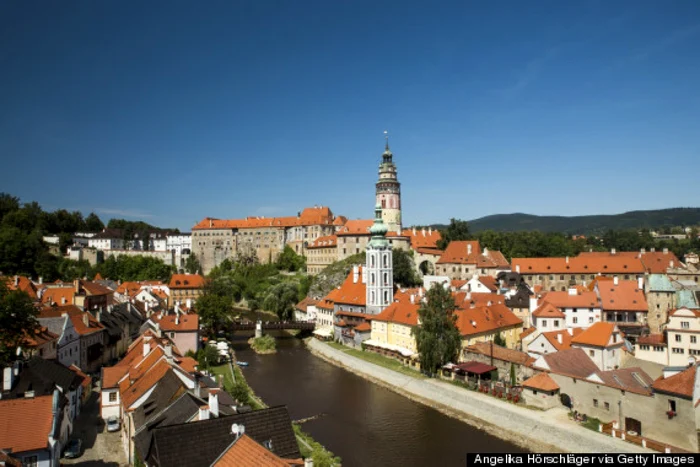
<point>113,424</point>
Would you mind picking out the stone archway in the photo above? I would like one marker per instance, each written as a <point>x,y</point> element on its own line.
<point>426,268</point>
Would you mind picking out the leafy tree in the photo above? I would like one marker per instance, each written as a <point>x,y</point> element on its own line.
<point>404,269</point>
<point>239,392</point>
<point>17,317</point>
<point>437,338</point>
<point>512,375</point>
<point>214,311</point>
<point>207,357</point>
<point>8,203</point>
<point>499,340</point>
<point>192,264</point>
<point>288,260</point>
<point>280,299</point>
<point>457,230</point>
<point>93,223</point>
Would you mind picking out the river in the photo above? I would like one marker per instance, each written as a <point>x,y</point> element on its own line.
<point>363,423</point>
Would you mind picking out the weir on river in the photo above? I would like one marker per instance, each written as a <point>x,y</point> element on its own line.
<point>364,424</point>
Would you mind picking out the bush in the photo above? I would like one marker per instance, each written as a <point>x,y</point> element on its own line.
<point>240,393</point>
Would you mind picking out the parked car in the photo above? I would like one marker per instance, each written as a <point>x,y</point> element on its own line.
<point>113,424</point>
<point>74,449</point>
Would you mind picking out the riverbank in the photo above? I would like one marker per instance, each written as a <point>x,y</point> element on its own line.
<point>537,431</point>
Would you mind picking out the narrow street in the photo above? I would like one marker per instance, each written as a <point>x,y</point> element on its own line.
<point>100,448</point>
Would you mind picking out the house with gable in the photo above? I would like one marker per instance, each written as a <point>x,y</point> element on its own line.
<point>603,343</point>
<point>661,299</point>
<point>624,303</point>
<point>181,328</point>
<point>68,344</point>
<point>551,341</point>
<point>463,259</point>
<point>548,317</point>
<point>580,306</point>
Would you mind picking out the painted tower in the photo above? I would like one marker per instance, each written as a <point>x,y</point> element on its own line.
<point>379,268</point>
<point>389,191</point>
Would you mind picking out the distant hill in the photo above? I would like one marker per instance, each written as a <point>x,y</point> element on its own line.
<point>587,225</point>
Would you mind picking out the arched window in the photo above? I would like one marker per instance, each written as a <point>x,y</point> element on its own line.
<point>371,261</point>
<point>383,204</point>
<point>386,260</point>
<point>386,279</point>
<point>386,296</point>
<point>373,297</point>
<point>371,279</point>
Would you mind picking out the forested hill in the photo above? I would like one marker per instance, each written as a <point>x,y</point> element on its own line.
<point>587,225</point>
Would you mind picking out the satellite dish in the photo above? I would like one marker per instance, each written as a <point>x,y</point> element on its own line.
<point>237,430</point>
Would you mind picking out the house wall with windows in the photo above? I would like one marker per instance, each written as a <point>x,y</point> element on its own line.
<point>109,403</point>
<point>683,336</point>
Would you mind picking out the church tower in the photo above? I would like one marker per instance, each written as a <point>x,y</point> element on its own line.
<point>379,267</point>
<point>389,191</point>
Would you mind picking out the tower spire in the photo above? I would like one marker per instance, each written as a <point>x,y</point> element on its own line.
<point>386,137</point>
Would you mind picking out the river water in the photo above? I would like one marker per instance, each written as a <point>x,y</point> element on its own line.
<point>363,423</point>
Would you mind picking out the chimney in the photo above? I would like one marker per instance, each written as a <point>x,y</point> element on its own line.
<point>469,295</point>
<point>567,260</point>
<point>422,231</point>
<point>413,299</point>
<point>472,304</point>
<point>653,250</point>
<point>642,251</point>
<point>214,403</point>
<point>533,303</point>
<point>210,223</point>
<point>570,331</point>
<point>414,231</point>
<point>670,264</point>
<point>169,352</point>
<point>469,248</point>
<point>188,303</point>
<point>197,390</point>
<point>8,378</point>
<point>665,251</point>
<point>309,462</point>
<point>63,300</point>
<point>612,251</point>
<point>177,319</point>
<point>430,231</point>
<point>146,345</point>
<point>16,281</point>
<point>204,412</point>
<point>363,278</point>
<point>76,284</point>
<point>41,280</point>
<point>486,252</point>
<point>355,274</point>
<point>616,280</point>
<point>86,320</point>
<point>517,268</point>
<point>640,283</point>
<point>572,291</point>
<point>560,339</point>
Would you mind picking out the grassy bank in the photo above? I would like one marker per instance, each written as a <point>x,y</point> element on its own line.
<point>263,345</point>
<point>381,360</point>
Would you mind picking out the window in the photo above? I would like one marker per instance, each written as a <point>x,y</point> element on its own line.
<point>556,323</point>
<point>574,320</point>
<point>30,461</point>
<point>607,406</point>
<point>643,347</point>
<point>561,278</point>
<point>678,337</point>
<point>595,402</point>
<point>672,405</point>
<point>590,320</point>
<point>113,397</point>
<point>693,340</point>
<point>544,323</point>
<point>591,353</point>
<point>685,324</point>
<point>677,350</point>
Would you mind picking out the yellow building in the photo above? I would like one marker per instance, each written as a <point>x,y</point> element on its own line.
<point>322,252</point>
<point>483,323</point>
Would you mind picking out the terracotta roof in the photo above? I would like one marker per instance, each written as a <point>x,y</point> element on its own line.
<point>581,264</point>
<point>305,303</point>
<point>547,310</point>
<point>87,379</point>
<point>327,241</point>
<point>490,282</point>
<point>23,284</point>
<point>582,299</point>
<point>501,353</point>
<point>356,227</point>
<point>98,277</point>
<point>652,339</point>
<point>400,312</point>
<point>188,364</point>
<point>340,220</point>
<point>245,452</point>
<point>485,319</point>
<point>77,317</point>
<point>478,298</point>
<point>542,382</point>
<point>422,238</point>
<point>129,288</point>
<point>39,337</point>
<point>133,392</point>
<point>566,338</point>
<point>363,327</point>
<point>56,295</point>
<point>598,335</point>
<point>325,304</point>
<point>527,332</point>
<point>186,281</point>
<point>319,215</point>
<point>632,379</point>
<point>572,362</point>
<point>94,289</point>
<point>625,296</point>
<point>430,251</point>
<point>170,323</point>
<point>680,384</point>
<point>353,314</point>
<point>352,293</point>
<point>457,284</point>
<point>30,421</point>
<point>654,262</point>
<point>458,253</point>
<point>111,375</point>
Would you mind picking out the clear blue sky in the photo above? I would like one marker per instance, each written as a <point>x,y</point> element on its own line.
<point>173,111</point>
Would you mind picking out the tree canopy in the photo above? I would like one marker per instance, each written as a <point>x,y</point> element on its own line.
<point>404,269</point>
<point>289,260</point>
<point>457,230</point>
<point>17,318</point>
<point>437,338</point>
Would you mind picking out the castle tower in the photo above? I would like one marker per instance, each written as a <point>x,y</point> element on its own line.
<point>379,268</point>
<point>389,191</point>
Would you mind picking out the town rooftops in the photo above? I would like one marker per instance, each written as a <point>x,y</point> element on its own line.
<point>554,338</point>
<point>58,295</point>
<point>21,283</point>
<point>84,323</point>
<point>582,264</point>
<point>328,241</point>
<point>305,304</point>
<point>652,339</point>
<point>356,227</point>
<point>541,382</point>
<point>352,292</point>
<point>172,444</point>
<point>547,310</point>
<point>628,379</point>
<point>421,238</point>
<point>501,353</point>
<point>681,384</point>
<point>485,319</point>
<point>317,215</point>
<point>245,451</point>
<point>572,362</point>
<point>400,312</point>
<point>186,281</point>
<point>27,423</point>
<point>565,299</point>
<point>599,334</point>
<point>177,322</point>
<point>42,376</point>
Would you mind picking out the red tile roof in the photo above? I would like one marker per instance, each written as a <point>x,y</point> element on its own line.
<point>352,293</point>
<point>129,288</point>
<point>318,215</point>
<point>26,423</point>
<point>328,241</point>
<point>39,337</point>
<point>652,339</point>
<point>625,296</point>
<point>654,262</point>
<point>680,384</point>
<point>77,317</point>
<point>91,288</point>
<point>245,452</point>
<point>186,281</point>
<point>356,227</point>
<point>541,382</point>
<point>23,284</point>
<point>422,238</point>
<point>566,338</point>
<point>133,392</point>
<point>305,304</point>
<point>582,264</point>
<point>363,327</point>
<point>501,353</point>
<point>527,332</point>
<point>547,310</point>
<point>171,323</point>
<point>572,362</point>
<point>458,253</point>
<point>430,251</point>
<point>582,299</point>
<point>485,319</point>
<point>598,335</point>
<point>56,295</point>
<point>112,374</point>
<point>490,282</point>
<point>401,312</point>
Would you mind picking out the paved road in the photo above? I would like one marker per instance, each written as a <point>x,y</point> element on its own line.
<point>533,429</point>
<point>101,449</point>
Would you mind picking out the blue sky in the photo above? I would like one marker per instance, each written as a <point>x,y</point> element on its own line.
<point>173,111</point>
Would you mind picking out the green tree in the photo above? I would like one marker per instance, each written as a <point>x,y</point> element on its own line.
<point>8,203</point>
<point>207,357</point>
<point>288,260</point>
<point>404,269</point>
<point>437,338</point>
<point>499,340</point>
<point>457,230</point>
<point>281,298</point>
<point>214,311</point>
<point>93,223</point>
<point>192,264</point>
<point>17,317</point>
<point>239,392</point>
